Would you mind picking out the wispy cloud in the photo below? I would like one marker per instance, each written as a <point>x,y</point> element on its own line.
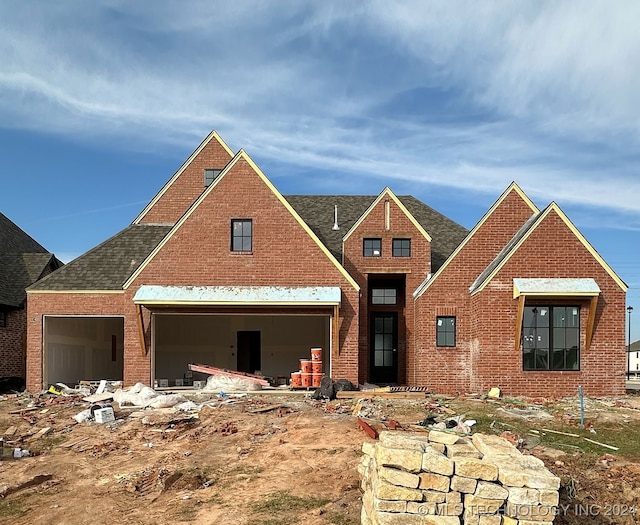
<point>462,94</point>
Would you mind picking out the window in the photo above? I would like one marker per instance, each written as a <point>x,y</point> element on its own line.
<point>383,296</point>
<point>210,175</point>
<point>402,247</point>
<point>241,235</point>
<point>551,338</point>
<point>445,331</point>
<point>3,319</point>
<point>372,247</point>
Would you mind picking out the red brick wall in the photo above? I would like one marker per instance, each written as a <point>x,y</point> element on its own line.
<point>414,269</point>
<point>12,361</point>
<point>446,369</point>
<point>552,251</point>
<point>40,304</point>
<point>188,186</point>
<point>283,253</point>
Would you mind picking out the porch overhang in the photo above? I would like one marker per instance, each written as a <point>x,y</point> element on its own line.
<point>155,295</point>
<point>550,288</point>
<point>555,287</point>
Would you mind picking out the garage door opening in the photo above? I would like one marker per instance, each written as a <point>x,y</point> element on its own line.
<point>83,349</point>
<point>269,344</point>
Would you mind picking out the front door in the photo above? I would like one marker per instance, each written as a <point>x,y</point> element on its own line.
<point>383,344</point>
<point>249,351</point>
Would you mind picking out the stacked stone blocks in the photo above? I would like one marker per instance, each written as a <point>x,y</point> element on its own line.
<point>441,478</point>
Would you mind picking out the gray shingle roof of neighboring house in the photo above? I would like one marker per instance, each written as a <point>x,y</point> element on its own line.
<point>108,265</point>
<point>22,262</point>
<point>635,347</point>
<point>17,271</point>
<point>318,212</point>
<point>14,240</point>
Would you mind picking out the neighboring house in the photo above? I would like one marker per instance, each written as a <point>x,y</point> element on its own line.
<point>222,269</point>
<point>633,362</point>
<point>22,262</point>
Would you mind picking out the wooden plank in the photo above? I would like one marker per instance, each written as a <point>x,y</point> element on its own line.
<point>96,398</point>
<point>73,443</point>
<point>519,317</point>
<point>43,432</point>
<point>143,343</point>
<point>365,394</point>
<point>212,370</point>
<point>263,409</point>
<point>23,410</point>
<point>10,431</point>
<point>591,321</point>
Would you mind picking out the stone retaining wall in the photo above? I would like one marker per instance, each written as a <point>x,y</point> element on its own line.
<point>441,478</point>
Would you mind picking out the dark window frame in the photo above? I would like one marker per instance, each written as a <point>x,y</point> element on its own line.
<point>369,247</point>
<point>210,175</point>
<point>556,339</point>
<point>401,247</point>
<point>384,296</point>
<point>3,319</point>
<point>442,331</point>
<point>241,238</point>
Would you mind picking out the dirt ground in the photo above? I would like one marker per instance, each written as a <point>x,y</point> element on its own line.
<point>283,458</point>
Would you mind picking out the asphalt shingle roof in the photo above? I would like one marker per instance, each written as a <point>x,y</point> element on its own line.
<point>22,262</point>
<point>318,212</point>
<point>14,240</point>
<point>108,265</point>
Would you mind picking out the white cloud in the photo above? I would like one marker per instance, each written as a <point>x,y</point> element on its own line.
<point>539,92</point>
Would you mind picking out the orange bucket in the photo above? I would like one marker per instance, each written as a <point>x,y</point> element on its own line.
<point>296,379</point>
<point>316,377</point>
<point>316,354</point>
<point>306,379</point>
<point>316,367</point>
<point>305,366</point>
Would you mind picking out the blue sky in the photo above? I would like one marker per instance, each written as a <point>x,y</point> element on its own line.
<point>101,102</point>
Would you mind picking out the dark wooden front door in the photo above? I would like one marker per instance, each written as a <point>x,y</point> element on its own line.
<point>383,344</point>
<point>249,351</point>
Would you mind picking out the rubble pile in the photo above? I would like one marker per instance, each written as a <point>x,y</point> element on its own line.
<point>441,478</point>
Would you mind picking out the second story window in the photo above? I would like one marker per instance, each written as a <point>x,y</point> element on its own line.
<point>401,248</point>
<point>210,175</point>
<point>241,235</point>
<point>372,247</point>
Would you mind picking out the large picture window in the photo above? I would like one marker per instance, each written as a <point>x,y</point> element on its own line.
<point>241,235</point>
<point>551,338</point>
<point>445,331</point>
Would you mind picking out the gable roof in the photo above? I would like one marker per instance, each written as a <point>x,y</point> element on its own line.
<point>513,187</point>
<point>523,234</point>
<point>18,271</point>
<point>212,136</point>
<point>387,192</point>
<point>244,156</point>
<point>318,212</point>
<point>107,266</point>
<point>15,240</point>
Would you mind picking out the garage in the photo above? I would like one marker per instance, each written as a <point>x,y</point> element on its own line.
<point>83,348</point>
<point>265,329</point>
<point>271,345</point>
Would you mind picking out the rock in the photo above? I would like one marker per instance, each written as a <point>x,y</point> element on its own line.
<point>434,461</point>
<point>446,438</point>
<point>475,468</point>
<point>489,490</point>
<point>399,477</point>
<point>406,459</point>
<point>462,484</point>
<point>431,481</point>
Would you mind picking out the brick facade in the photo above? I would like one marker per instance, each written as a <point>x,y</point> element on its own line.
<point>12,344</point>
<point>285,252</point>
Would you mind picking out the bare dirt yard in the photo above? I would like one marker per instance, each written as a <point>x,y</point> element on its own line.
<point>284,458</point>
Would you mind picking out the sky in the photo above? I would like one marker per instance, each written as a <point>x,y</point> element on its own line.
<point>101,102</point>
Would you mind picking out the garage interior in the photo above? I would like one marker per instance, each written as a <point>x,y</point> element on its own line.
<point>268,344</point>
<point>83,349</point>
